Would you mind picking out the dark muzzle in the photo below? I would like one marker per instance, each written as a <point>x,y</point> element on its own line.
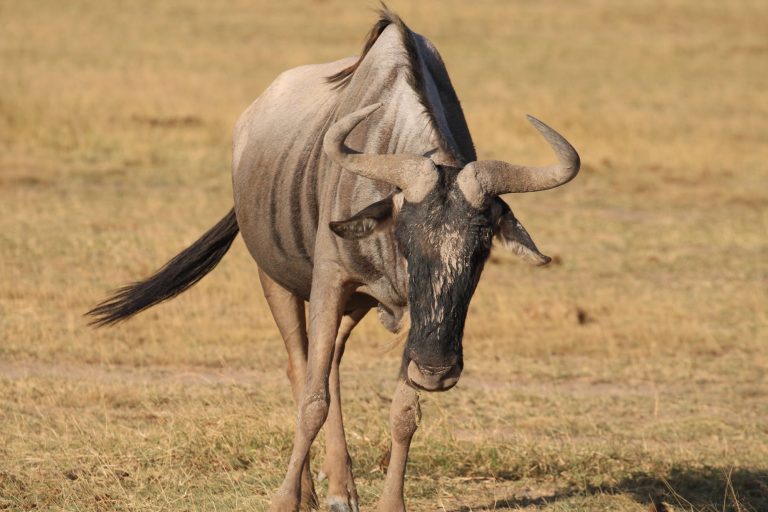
<point>433,377</point>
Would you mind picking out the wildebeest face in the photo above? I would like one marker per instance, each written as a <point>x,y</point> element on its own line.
<point>445,242</point>
<point>444,228</point>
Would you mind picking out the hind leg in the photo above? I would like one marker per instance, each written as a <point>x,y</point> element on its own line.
<point>288,312</point>
<point>342,493</point>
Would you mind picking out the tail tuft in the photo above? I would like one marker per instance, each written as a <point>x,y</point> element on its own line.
<point>183,271</point>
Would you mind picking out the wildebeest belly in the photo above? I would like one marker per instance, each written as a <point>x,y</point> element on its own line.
<point>277,156</point>
<point>277,211</point>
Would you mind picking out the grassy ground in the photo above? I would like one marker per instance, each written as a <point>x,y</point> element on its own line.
<point>633,371</point>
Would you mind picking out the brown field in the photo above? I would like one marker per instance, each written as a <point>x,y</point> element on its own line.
<point>631,372</point>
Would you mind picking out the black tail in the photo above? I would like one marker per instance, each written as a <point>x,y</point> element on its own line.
<point>184,270</point>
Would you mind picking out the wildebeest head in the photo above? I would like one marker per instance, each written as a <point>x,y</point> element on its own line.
<point>445,219</point>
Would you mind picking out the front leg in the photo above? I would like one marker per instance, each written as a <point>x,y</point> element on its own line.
<point>326,306</point>
<point>342,493</point>
<point>404,418</point>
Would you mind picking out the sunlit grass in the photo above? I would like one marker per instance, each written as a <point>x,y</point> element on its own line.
<point>632,371</point>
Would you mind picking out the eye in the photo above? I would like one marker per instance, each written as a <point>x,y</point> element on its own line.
<point>486,237</point>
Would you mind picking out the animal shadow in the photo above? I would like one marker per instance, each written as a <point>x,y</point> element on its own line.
<point>704,489</point>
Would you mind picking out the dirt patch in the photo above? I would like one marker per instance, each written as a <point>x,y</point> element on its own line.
<point>185,375</point>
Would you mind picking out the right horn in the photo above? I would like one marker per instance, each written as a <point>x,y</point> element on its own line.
<point>495,177</point>
<point>414,175</point>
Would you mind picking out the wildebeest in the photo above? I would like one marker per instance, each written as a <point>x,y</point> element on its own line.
<point>356,186</point>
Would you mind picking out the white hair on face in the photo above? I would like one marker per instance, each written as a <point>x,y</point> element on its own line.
<point>448,242</point>
<point>450,249</point>
<point>397,202</point>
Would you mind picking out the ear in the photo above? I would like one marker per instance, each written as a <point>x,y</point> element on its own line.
<point>365,222</point>
<point>515,238</point>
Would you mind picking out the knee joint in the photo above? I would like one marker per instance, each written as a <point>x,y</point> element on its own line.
<point>314,411</point>
<point>405,422</point>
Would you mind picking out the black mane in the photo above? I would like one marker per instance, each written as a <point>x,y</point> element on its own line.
<point>415,78</point>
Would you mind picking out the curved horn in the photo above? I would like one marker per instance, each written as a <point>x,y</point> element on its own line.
<point>414,175</point>
<point>493,178</point>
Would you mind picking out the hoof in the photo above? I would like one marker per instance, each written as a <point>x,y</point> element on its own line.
<point>342,493</point>
<point>339,504</point>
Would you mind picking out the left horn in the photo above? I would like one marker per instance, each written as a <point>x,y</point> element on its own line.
<point>495,177</point>
<point>414,175</point>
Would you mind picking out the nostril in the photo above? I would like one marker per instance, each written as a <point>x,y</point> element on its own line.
<point>433,378</point>
<point>434,371</point>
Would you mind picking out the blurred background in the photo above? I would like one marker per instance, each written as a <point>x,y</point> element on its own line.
<point>630,373</point>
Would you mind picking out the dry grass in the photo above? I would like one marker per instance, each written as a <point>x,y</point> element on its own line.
<point>632,372</point>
